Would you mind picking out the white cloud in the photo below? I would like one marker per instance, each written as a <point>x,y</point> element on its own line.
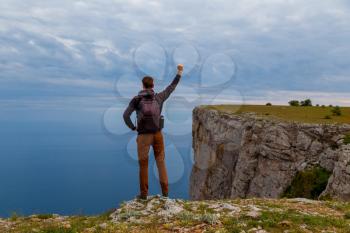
<point>277,44</point>
<point>282,97</point>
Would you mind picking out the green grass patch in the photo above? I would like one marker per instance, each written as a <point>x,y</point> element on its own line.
<point>289,113</point>
<point>54,229</point>
<point>44,216</point>
<point>204,208</point>
<point>273,222</point>
<point>272,219</point>
<point>347,215</point>
<point>347,139</point>
<point>208,218</point>
<point>338,205</point>
<point>308,183</point>
<point>232,225</point>
<point>106,215</point>
<point>187,218</point>
<point>14,217</point>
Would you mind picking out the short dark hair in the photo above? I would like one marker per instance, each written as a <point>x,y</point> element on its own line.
<point>147,82</point>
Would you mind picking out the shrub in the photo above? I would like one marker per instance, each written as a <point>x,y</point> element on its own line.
<point>44,216</point>
<point>209,218</point>
<point>56,229</point>
<point>347,215</point>
<point>306,103</point>
<point>330,106</point>
<point>317,105</point>
<point>308,183</point>
<point>294,103</point>
<point>336,111</point>
<point>347,139</point>
<point>268,104</point>
<point>14,216</point>
<point>327,117</point>
<point>187,217</point>
<point>323,106</point>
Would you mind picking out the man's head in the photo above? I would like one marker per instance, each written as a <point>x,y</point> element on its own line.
<point>147,82</point>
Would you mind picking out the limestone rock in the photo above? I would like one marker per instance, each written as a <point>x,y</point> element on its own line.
<point>250,156</point>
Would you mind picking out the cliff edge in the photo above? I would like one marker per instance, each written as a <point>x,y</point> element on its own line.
<point>247,155</point>
<point>163,215</point>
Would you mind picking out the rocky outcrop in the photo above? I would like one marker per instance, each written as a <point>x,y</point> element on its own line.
<point>164,215</point>
<point>250,156</point>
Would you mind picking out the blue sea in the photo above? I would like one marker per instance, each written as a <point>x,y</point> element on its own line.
<point>71,161</point>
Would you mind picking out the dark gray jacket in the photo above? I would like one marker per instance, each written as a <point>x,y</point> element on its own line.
<point>160,97</point>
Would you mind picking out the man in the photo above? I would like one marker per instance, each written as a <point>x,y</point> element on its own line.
<point>148,106</point>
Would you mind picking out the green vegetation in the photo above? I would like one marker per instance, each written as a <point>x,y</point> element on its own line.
<point>287,113</point>
<point>347,215</point>
<point>347,139</point>
<point>268,104</point>
<point>294,103</point>
<point>14,216</point>
<point>287,220</point>
<point>53,229</point>
<point>336,111</point>
<point>308,183</point>
<point>274,215</point>
<point>306,103</point>
<point>44,216</point>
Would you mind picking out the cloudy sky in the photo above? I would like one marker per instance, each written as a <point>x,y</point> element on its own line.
<point>56,54</point>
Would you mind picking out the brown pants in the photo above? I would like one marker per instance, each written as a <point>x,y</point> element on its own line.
<point>144,142</point>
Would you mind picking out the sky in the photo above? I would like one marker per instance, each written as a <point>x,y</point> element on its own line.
<point>91,54</point>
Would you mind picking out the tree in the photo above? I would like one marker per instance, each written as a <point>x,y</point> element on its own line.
<point>306,102</point>
<point>294,103</point>
<point>268,104</point>
<point>336,111</point>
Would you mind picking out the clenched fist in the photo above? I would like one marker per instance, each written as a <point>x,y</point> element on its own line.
<point>180,69</point>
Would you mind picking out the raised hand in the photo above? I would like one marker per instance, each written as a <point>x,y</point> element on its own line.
<point>180,69</point>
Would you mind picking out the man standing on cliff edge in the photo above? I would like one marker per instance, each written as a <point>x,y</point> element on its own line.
<point>148,106</point>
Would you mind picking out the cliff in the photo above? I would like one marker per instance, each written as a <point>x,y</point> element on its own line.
<point>248,155</point>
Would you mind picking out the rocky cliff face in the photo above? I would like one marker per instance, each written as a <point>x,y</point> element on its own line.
<point>250,156</point>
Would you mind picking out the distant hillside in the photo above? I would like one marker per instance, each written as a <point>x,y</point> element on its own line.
<point>289,113</point>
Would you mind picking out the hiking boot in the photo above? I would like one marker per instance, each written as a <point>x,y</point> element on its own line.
<point>165,195</point>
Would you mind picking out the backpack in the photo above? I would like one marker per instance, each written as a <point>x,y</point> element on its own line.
<point>149,119</point>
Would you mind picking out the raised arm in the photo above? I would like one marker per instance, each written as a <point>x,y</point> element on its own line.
<point>127,113</point>
<point>166,93</point>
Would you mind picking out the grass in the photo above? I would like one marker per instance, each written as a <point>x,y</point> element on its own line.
<point>347,215</point>
<point>347,139</point>
<point>290,220</point>
<point>276,215</point>
<point>14,216</point>
<point>288,113</point>
<point>44,216</point>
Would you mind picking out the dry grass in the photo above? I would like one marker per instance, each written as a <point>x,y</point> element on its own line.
<point>300,114</point>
